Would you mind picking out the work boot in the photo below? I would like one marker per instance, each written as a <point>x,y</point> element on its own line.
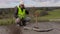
<point>20,24</point>
<point>24,24</point>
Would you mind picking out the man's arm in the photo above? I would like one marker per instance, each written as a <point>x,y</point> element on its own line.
<point>27,12</point>
<point>16,12</point>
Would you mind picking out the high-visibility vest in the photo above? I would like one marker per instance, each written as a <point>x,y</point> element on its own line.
<point>21,14</point>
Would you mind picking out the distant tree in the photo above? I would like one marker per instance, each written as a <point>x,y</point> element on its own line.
<point>44,12</point>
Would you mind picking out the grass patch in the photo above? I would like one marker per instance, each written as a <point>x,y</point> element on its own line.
<point>55,14</point>
<point>7,21</point>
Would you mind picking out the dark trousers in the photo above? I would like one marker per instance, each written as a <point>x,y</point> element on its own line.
<point>22,22</point>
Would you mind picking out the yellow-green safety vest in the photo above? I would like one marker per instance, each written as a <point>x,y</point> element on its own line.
<point>21,14</point>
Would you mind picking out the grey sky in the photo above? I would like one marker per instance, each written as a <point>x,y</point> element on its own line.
<point>29,3</point>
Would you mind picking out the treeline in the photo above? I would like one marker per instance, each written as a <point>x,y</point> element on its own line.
<point>41,10</point>
<point>6,12</point>
<point>9,12</point>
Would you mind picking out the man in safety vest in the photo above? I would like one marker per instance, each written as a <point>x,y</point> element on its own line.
<point>20,15</point>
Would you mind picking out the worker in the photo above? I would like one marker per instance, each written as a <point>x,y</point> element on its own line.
<point>20,15</point>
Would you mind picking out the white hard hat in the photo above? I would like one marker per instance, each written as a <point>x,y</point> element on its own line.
<point>21,2</point>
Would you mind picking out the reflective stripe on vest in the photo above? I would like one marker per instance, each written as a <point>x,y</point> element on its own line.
<point>21,14</point>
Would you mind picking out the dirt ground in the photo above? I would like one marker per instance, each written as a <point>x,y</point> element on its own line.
<point>13,29</point>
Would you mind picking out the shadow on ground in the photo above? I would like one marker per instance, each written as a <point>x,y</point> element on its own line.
<point>10,29</point>
<point>13,29</point>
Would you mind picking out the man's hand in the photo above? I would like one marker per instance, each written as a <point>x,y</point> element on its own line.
<point>17,20</point>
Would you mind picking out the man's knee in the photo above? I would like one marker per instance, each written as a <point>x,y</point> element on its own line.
<point>27,19</point>
<point>17,20</point>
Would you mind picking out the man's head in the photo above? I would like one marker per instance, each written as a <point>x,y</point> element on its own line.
<point>21,5</point>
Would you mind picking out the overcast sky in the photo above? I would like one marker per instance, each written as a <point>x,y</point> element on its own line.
<point>29,3</point>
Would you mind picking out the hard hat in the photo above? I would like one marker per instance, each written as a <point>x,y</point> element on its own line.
<point>21,3</point>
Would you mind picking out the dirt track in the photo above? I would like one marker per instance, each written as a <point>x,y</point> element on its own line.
<point>43,25</point>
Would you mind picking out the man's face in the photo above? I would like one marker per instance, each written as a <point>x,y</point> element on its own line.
<point>22,6</point>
